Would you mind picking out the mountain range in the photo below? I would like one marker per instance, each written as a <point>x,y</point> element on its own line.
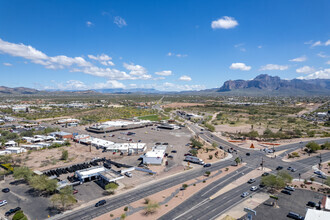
<point>274,85</point>
<point>261,85</point>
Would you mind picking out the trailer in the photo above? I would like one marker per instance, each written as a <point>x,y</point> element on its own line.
<point>193,159</point>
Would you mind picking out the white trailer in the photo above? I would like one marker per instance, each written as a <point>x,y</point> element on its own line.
<point>193,159</point>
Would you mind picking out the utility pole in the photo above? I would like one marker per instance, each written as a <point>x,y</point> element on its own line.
<point>320,164</point>
<point>262,164</point>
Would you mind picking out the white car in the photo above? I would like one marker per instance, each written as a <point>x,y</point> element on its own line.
<point>254,188</point>
<point>128,174</point>
<point>3,202</point>
<point>245,194</point>
<point>290,188</point>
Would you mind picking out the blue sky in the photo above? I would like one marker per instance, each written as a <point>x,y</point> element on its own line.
<point>167,45</point>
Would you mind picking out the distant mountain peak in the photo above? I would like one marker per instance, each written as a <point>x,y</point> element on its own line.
<point>265,83</point>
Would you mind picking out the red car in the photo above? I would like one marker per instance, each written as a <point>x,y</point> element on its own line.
<point>75,191</point>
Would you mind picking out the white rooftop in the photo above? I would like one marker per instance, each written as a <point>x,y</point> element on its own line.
<point>91,171</point>
<point>313,214</point>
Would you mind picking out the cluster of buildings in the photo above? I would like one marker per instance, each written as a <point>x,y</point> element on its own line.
<point>188,116</point>
<point>109,145</point>
<point>317,116</point>
<point>109,126</point>
<point>36,142</point>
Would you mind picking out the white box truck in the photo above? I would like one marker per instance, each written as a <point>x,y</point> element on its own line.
<point>193,159</point>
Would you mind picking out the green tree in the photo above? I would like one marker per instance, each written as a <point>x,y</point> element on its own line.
<point>151,208</point>
<point>277,182</point>
<point>19,215</point>
<point>43,183</point>
<point>327,181</point>
<point>326,146</point>
<point>194,152</point>
<point>195,143</point>
<point>64,198</point>
<point>111,187</point>
<point>237,160</point>
<point>65,155</point>
<point>22,172</point>
<point>313,147</point>
<point>6,158</point>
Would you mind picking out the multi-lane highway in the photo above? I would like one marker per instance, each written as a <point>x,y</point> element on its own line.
<point>200,206</point>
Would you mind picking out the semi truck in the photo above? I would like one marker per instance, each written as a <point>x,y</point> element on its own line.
<point>193,159</point>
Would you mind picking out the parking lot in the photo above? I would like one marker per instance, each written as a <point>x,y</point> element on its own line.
<point>21,195</point>
<point>287,203</point>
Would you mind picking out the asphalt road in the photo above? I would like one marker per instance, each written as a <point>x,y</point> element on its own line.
<point>200,206</point>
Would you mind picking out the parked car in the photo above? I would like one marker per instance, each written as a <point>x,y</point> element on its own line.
<point>6,190</point>
<point>128,174</point>
<point>293,170</point>
<point>251,181</point>
<point>207,165</point>
<point>3,202</point>
<point>99,203</point>
<point>290,188</point>
<point>254,188</point>
<point>294,216</point>
<point>286,192</point>
<point>245,194</point>
<point>265,174</point>
<point>170,156</point>
<point>289,168</point>
<point>187,154</point>
<point>174,151</point>
<point>311,204</point>
<point>318,172</point>
<point>247,154</point>
<point>279,168</point>
<point>322,176</point>
<point>12,211</point>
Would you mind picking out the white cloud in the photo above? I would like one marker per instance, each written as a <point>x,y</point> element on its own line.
<point>305,69</point>
<point>299,59</point>
<point>119,21</point>
<point>322,54</point>
<point>110,84</point>
<point>79,85</point>
<point>89,24</point>
<point>137,71</point>
<point>185,78</point>
<point>164,73</point>
<point>273,67</point>
<point>328,62</point>
<point>177,55</point>
<point>167,86</point>
<point>225,23</point>
<point>103,59</point>
<point>74,64</point>
<point>240,47</point>
<point>259,46</point>
<point>240,66</point>
<point>21,50</point>
<point>320,74</point>
<point>327,43</point>
<point>317,43</point>
<point>7,64</point>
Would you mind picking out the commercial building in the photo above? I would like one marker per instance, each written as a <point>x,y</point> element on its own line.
<point>15,150</point>
<point>109,126</point>
<point>156,155</point>
<point>99,172</point>
<point>61,135</point>
<point>313,214</point>
<point>126,147</point>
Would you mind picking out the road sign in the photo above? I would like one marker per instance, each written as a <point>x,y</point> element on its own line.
<point>248,210</point>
